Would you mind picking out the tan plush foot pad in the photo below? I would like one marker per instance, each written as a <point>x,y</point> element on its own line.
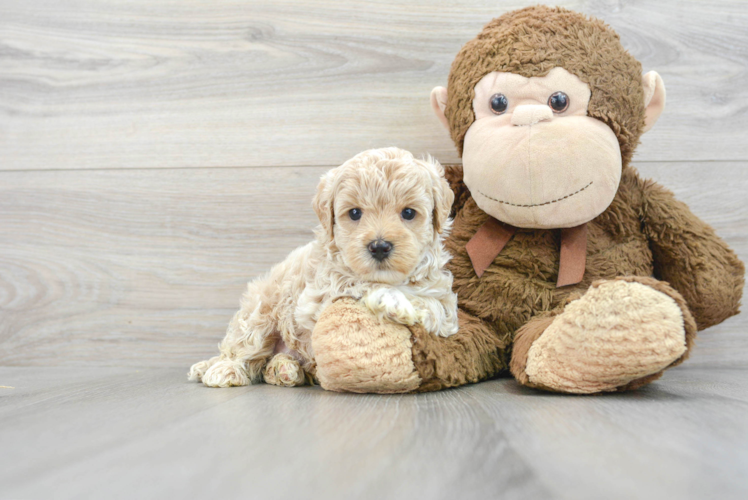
<point>617,332</point>
<point>355,352</point>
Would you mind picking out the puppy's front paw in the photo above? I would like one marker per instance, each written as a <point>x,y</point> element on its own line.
<point>446,329</point>
<point>393,305</point>
<point>226,373</point>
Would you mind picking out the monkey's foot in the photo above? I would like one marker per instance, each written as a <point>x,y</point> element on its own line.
<point>619,335</point>
<point>356,351</point>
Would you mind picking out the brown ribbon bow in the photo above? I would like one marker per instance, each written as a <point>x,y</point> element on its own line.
<point>492,237</point>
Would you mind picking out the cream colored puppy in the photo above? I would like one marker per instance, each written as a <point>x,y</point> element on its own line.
<point>383,217</point>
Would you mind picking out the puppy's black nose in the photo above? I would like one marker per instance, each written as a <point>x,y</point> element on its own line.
<point>380,249</point>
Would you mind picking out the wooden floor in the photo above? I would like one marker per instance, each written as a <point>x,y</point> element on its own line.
<point>127,433</point>
<point>154,156</point>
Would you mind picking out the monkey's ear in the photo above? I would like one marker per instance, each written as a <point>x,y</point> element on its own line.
<point>654,98</point>
<point>439,104</point>
<point>323,204</point>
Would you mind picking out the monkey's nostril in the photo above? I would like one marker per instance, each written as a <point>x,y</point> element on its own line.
<point>379,249</point>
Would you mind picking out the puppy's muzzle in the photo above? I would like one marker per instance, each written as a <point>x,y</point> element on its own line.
<point>380,249</point>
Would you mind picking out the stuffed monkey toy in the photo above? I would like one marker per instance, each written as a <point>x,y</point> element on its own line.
<point>572,272</point>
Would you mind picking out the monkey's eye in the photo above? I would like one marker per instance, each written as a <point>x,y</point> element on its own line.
<point>558,101</point>
<point>408,213</point>
<point>355,213</point>
<point>499,104</point>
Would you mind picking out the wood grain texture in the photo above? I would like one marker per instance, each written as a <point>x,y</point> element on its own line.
<point>196,83</point>
<point>146,267</point>
<point>122,433</point>
<point>127,265</point>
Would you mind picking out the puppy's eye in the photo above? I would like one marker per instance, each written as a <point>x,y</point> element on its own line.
<point>558,101</point>
<point>408,213</point>
<point>355,213</point>
<point>498,103</point>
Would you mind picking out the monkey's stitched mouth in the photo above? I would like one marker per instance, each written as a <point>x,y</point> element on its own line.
<point>536,204</point>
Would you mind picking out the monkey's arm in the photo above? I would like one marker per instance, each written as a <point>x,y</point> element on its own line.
<point>691,257</point>
<point>476,352</point>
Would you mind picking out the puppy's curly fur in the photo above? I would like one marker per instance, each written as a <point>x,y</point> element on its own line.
<point>270,336</point>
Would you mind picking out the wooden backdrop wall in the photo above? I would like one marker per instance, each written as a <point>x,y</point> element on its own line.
<point>154,156</point>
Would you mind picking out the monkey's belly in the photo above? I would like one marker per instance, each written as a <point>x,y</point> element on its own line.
<point>521,282</point>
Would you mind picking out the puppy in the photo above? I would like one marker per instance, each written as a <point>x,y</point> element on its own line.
<point>383,216</point>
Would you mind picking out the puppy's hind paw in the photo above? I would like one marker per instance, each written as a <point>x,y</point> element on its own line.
<point>284,370</point>
<point>226,373</point>
<point>198,369</point>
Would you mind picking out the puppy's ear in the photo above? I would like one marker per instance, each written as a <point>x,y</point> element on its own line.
<point>323,203</point>
<point>442,193</point>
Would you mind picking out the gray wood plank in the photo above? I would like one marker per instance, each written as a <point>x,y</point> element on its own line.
<point>122,433</point>
<point>116,265</point>
<point>146,267</point>
<point>195,83</point>
<point>153,435</point>
<point>672,439</point>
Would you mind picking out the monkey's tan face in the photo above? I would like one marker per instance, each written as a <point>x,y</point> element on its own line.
<point>533,158</point>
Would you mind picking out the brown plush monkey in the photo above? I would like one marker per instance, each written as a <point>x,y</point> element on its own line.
<point>570,270</point>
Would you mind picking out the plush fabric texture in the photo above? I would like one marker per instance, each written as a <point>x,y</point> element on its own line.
<point>530,332</point>
<point>688,255</point>
<point>517,297</point>
<point>523,341</point>
<point>596,345</point>
<point>521,282</point>
<point>473,354</point>
<point>357,352</point>
<point>531,42</point>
